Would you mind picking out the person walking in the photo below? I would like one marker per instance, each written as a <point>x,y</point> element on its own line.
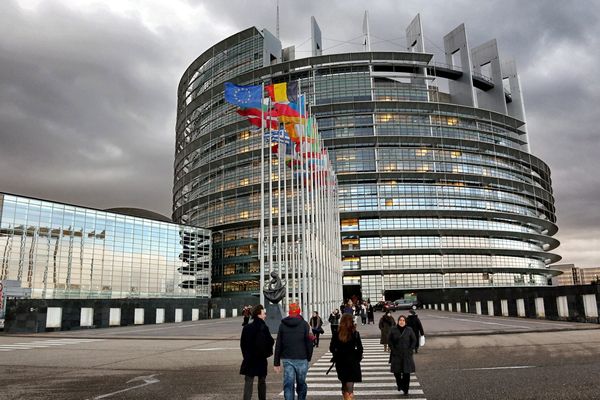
<point>415,323</point>
<point>363,313</point>
<point>347,350</point>
<point>246,312</point>
<point>294,350</point>
<point>402,342</point>
<point>386,322</point>
<point>256,343</point>
<point>349,309</point>
<point>334,321</point>
<point>316,325</point>
<point>370,313</point>
<point>356,311</point>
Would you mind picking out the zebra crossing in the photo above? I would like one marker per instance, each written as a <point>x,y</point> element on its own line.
<point>40,344</point>
<point>377,380</point>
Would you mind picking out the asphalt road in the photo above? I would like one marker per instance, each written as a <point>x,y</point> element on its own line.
<point>465,357</point>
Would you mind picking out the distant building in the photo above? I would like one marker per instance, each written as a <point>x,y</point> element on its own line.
<point>437,184</point>
<point>572,275</point>
<point>61,251</point>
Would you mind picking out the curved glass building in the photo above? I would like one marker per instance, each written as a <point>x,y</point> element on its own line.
<point>437,186</point>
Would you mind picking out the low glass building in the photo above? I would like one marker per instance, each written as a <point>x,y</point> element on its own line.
<point>62,251</point>
<point>438,187</point>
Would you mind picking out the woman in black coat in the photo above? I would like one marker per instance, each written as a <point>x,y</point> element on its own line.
<point>347,350</point>
<point>256,343</point>
<point>385,325</point>
<point>402,342</point>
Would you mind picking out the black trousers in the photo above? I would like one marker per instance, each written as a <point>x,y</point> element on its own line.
<point>262,387</point>
<point>402,380</point>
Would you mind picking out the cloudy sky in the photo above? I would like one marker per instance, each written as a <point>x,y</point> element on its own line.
<point>88,88</point>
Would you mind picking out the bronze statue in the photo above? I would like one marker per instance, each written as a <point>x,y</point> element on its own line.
<point>274,289</point>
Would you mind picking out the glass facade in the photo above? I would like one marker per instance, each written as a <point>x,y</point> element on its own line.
<point>432,192</point>
<point>61,251</point>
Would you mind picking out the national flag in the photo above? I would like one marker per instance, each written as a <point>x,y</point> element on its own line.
<point>243,96</point>
<point>254,116</point>
<point>278,136</point>
<point>283,92</point>
<point>292,130</point>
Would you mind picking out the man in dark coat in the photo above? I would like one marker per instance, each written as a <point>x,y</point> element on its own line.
<point>415,323</point>
<point>334,321</point>
<point>294,350</point>
<point>402,342</point>
<point>385,324</point>
<point>256,343</point>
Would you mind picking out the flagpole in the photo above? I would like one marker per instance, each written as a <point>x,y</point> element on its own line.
<point>285,230</point>
<point>304,262</point>
<point>293,230</point>
<point>270,213</point>
<point>279,146</point>
<point>262,201</point>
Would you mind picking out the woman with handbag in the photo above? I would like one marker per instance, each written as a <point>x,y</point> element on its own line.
<point>316,325</point>
<point>415,323</point>
<point>347,350</point>
<point>402,342</point>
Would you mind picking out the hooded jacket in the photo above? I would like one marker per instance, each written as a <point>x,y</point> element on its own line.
<point>293,341</point>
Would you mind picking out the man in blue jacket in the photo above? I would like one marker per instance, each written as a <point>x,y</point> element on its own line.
<point>294,350</point>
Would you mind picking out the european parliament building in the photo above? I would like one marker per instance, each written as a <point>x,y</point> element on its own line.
<point>59,251</point>
<point>437,184</point>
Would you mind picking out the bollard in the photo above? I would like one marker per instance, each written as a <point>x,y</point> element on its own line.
<point>521,308</point>
<point>86,318</point>
<point>178,314</point>
<point>160,315</point>
<point>138,316</point>
<point>195,314</point>
<point>504,307</point>
<point>490,305</point>
<point>540,310</point>
<point>114,318</point>
<point>478,307</point>
<point>54,317</point>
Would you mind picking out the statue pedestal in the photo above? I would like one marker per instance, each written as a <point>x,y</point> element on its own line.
<point>274,316</point>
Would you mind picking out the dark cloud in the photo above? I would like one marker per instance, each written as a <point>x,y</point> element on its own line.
<point>88,96</point>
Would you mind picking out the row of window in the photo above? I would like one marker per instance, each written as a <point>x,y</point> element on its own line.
<point>355,224</point>
<point>400,242</point>
<point>421,261</point>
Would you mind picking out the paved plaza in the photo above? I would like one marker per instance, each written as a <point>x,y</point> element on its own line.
<point>466,357</point>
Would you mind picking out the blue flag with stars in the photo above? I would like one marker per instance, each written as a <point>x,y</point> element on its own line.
<point>244,96</point>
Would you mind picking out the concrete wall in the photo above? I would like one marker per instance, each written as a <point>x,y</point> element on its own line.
<point>579,303</point>
<point>35,315</point>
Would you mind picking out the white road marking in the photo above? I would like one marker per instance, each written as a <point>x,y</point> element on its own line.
<point>377,380</point>
<point>216,348</point>
<point>495,368</point>
<point>45,344</point>
<point>148,380</point>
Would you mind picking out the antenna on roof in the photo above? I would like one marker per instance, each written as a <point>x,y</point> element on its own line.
<point>366,35</point>
<point>277,26</point>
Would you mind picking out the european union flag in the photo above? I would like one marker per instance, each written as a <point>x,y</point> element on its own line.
<point>243,96</point>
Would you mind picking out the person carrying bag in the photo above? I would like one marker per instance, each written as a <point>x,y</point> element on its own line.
<point>316,325</point>
<point>402,342</point>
